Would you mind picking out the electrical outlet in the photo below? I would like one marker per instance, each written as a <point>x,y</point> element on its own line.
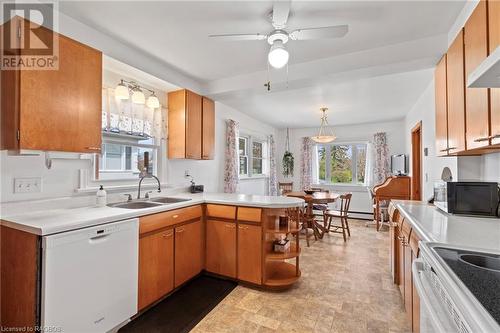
<point>28,185</point>
<point>186,173</point>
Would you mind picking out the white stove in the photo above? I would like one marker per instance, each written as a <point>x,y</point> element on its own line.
<point>459,289</point>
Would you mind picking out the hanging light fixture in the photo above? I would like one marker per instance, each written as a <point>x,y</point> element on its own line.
<point>138,96</point>
<point>322,136</point>
<point>153,101</point>
<point>121,91</point>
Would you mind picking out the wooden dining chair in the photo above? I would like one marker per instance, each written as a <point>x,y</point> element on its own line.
<point>320,209</point>
<point>285,187</point>
<point>342,215</point>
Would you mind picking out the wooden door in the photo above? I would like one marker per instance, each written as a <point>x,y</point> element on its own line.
<point>408,283</point>
<point>221,248</point>
<point>476,99</point>
<point>156,266</point>
<point>416,162</point>
<point>456,95</point>
<point>60,110</point>
<point>193,125</point>
<point>250,253</point>
<point>188,251</point>
<point>494,42</point>
<point>208,141</point>
<point>441,108</point>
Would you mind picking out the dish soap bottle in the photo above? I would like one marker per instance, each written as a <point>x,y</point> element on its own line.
<point>101,197</point>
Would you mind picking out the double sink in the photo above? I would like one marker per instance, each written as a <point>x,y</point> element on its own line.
<point>148,203</point>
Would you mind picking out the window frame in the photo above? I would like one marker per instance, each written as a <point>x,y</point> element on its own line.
<point>246,156</point>
<point>328,163</point>
<point>250,158</point>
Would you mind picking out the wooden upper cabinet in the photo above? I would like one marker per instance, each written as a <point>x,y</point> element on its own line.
<point>189,245</point>
<point>221,248</point>
<point>441,108</point>
<point>494,42</point>
<point>208,130</point>
<point>455,83</point>
<point>55,110</point>
<point>250,253</point>
<point>190,128</point>
<point>476,99</point>
<point>156,266</point>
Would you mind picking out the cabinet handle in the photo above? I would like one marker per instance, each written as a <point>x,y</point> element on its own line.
<point>229,225</point>
<point>168,235</point>
<point>93,148</point>
<point>482,139</point>
<point>496,136</point>
<point>175,216</point>
<point>451,148</point>
<point>443,150</point>
<point>179,230</point>
<point>243,227</point>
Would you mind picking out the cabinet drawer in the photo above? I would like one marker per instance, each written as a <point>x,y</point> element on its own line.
<point>161,220</point>
<point>249,214</point>
<point>221,211</point>
<point>414,239</point>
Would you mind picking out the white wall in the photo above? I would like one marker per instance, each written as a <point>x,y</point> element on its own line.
<point>346,133</point>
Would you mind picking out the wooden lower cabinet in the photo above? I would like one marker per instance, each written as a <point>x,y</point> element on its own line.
<point>408,283</point>
<point>415,305</point>
<point>188,251</point>
<point>250,253</point>
<point>156,266</point>
<point>221,247</point>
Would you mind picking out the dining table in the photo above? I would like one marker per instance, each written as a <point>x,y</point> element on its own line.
<point>312,199</point>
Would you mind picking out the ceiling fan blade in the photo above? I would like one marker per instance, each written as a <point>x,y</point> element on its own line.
<point>236,37</point>
<point>281,10</point>
<point>320,33</point>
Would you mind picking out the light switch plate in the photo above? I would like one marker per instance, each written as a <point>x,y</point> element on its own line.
<point>28,185</point>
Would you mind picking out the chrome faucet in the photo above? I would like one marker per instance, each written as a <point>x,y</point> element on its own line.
<point>147,175</point>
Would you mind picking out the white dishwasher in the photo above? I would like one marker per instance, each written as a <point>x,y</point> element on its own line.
<point>89,277</point>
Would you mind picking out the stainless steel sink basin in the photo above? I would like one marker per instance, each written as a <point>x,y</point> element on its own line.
<point>134,205</point>
<point>486,262</point>
<point>167,200</point>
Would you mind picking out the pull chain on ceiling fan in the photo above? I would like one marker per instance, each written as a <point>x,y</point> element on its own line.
<point>278,55</point>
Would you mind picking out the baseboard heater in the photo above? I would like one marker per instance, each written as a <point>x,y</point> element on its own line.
<point>362,215</point>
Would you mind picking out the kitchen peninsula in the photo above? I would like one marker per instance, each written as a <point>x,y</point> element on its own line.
<point>227,235</point>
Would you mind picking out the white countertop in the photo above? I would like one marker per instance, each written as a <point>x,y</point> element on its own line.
<point>50,221</point>
<point>434,225</point>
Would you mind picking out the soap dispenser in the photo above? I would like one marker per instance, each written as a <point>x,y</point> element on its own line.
<point>101,197</point>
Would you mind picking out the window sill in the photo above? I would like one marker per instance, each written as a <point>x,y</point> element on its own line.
<point>353,187</point>
<point>120,188</point>
<point>254,177</point>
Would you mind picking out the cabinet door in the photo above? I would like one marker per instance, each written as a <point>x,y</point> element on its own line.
<point>250,253</point>
<point>476,99</point>
<point>193,125</point>
<point>494,42</point>
<point>156,266</point>
<point>408,283</point>
<point>415,304</point>
<point>60,110</point>
<point>176,124</point>
<point>221,248</point>
<point>456,92</point>
<point>188,251</point>
<point>441,108</point>
<point>393,235</point>
<point>401,267</point>
<point>208,141</point>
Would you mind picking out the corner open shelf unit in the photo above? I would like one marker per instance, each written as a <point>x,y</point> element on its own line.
<point>281,270</point>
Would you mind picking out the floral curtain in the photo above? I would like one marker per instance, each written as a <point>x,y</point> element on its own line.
<point>381,168</point>
<point>273,178</point>
<point>123,116</point>
<point>231,161</point>
<point>306,163</point>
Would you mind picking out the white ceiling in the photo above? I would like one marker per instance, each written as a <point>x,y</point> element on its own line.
<point>388,43</point>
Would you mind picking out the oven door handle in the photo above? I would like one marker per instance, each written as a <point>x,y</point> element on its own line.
<point>440,318</point>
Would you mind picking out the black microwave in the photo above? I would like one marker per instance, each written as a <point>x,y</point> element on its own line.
<point>467,198</point>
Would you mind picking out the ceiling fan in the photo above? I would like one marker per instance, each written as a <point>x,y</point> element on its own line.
<point>279,36</point>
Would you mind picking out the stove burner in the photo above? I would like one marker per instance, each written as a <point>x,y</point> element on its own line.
<point>481,261</point>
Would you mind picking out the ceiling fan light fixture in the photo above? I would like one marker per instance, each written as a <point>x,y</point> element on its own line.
<point>278,55</point>
<point>322,137</point>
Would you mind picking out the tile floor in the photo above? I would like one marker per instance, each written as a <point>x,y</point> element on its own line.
<point>345,287</point>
